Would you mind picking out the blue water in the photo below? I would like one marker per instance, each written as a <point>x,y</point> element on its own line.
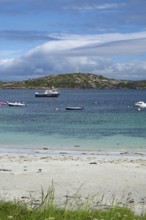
<point>109,120</point>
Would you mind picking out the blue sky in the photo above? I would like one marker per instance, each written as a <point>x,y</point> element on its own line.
<point>43,37</point>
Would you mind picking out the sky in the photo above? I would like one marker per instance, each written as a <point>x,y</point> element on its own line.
<point>45,37</point>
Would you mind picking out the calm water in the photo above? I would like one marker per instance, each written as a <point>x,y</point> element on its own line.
<point>109,120</point>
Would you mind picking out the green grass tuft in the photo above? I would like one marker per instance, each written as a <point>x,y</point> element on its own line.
<point>71,210</point>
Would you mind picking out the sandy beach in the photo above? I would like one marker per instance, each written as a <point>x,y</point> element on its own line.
<point>118,178</point>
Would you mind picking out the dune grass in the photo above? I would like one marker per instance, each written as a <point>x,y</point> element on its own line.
<point>18,211</point>
<point>47,210</point>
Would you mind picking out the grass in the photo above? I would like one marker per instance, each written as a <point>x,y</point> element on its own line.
<point>71,210</point>
<point>19,211</point>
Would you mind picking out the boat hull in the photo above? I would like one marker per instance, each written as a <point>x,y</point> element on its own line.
<point>74,108</point>
<point>16,104</point>
<point>13,105</point>
<point>42,95</point>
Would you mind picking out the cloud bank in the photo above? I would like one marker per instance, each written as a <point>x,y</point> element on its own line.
<point>66,53</point>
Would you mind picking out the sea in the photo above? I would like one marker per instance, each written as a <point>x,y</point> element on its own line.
<point>109,121</point>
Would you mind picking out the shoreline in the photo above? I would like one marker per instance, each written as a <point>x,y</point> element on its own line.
<point>76,151</point>
<point>120,175</point>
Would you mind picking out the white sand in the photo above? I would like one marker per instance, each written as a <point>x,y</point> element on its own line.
<point>121,177</point>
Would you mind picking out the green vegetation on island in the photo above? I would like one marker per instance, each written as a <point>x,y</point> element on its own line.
<point>74,80</point>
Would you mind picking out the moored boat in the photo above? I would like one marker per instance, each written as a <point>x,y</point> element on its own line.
<point>140,104</point>
<point>74,108</point>
<point>16,104</point>
<point>3,103</point>
<point>48,93</point>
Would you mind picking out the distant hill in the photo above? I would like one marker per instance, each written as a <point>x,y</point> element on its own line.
<point>75,80</point>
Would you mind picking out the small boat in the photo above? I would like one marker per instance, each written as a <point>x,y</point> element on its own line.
<point>16,104</point>
<point>3,103</point>
<point>74,108</point>
<point>140,104</point>
<point>48,93</point>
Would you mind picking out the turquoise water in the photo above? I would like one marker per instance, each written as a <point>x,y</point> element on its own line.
<point>109,121</point>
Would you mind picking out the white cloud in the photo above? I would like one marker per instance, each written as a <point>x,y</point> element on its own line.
<point>133,70</point>
<point>73,53</point>
<point>9,53</point>
<point>97,45</point>
<point>92,6</point>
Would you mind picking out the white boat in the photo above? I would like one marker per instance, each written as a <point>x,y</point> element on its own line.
<point>140,104</point>
<point>48,93</point>
<point>16,104</point>
<point>74,108</point>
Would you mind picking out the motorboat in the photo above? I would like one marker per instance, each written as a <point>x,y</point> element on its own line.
<point>48,93</point>
<point>74,108</point>
<point>140,104</point>
<point>16,104</point>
